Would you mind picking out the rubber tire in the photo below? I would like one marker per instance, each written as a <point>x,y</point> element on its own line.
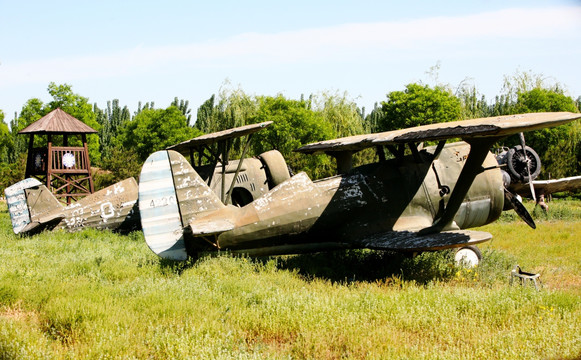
<point>522,175</point>
<point>276,168</point>
<point>468,256</point>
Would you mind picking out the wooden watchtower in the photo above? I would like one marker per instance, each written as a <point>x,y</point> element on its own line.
<point>64,169</point>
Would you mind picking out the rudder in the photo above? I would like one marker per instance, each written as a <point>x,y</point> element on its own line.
<point>171,194</point>
<point>31,205</point>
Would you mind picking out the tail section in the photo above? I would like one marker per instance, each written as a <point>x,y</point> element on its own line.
<point>171,194</point>
<point>30,205</point>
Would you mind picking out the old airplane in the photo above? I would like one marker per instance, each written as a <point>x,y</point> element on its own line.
<point>543,188</point>
<point>33,208</point>
<point>521,165</point>
<point>424,200</point>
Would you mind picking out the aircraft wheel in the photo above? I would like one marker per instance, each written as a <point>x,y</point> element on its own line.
<point>468,256</point>
<point>275,166</point>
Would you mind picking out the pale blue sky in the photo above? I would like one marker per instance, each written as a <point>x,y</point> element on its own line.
<point>155,51</point>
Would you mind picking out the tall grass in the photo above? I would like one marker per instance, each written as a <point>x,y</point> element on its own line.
<point>101,295</point>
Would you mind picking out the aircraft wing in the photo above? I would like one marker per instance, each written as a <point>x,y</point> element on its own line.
<point>413,241</point>
<point>207,139</point>
<point>499,126</point>
<point>547,187</point>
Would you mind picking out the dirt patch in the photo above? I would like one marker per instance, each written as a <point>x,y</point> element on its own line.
<point>17,314</point>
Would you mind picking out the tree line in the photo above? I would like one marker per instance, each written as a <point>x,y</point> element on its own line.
<point>125,138</point>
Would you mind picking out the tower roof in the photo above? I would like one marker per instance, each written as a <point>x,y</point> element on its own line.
<point>57,122</point>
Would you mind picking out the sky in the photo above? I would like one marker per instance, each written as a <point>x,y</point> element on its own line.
<point>158,50</point>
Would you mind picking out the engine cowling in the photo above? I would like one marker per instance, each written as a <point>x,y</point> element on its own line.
<point>515,162</point>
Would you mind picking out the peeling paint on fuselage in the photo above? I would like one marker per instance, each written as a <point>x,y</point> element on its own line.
<point>112,208</point>
<point>379,197</point>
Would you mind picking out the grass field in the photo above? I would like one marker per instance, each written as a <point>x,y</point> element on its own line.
<point>102,295</point>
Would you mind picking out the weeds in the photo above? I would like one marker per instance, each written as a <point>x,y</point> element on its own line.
<point>102,295</point>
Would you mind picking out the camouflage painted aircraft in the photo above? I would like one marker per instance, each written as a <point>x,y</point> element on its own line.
<point>33,208</point>
<point>421,199</point>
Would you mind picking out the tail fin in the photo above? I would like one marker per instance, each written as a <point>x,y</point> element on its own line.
<point>30,205</point>
<point>171,194</point>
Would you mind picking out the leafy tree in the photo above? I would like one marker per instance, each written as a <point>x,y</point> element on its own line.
<point>345,118</point>
<point>148,105</point>
<point>372,120</point>
<point>293,125</point>
<point>119,165</point>
<point>111,121</point>
<point>205,113</point>
<point>6,142</point>
<point>11,173</point>
<point>155,129</point>
<point>540,99</point>
<point>473,103</point>
<point>418,105</point>
<point>184,106</point>
<point>31,111</point>
<point>233,109</point>
<point>523,81</point>
<point>501,106</point>
<point>340,113</point>
<point>559,146</point>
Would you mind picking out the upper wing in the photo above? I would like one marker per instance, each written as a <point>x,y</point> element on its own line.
<point>207,139</point>
<point>547,187</point>
<point>499,126</point>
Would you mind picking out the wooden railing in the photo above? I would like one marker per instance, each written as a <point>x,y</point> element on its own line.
<point>67,159</point>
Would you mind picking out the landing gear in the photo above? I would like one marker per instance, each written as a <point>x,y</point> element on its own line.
<point>468,256</point>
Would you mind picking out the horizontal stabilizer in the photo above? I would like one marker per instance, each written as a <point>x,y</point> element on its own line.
<point>210,227</point>
<point>47,222</point>
<point>412,241</point>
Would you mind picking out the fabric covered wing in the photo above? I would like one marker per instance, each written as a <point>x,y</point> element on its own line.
<point>499,126</point>
<point>412,241</point>
<point>547,187</point>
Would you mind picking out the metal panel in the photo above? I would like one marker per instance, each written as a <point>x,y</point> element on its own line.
<point>16,200</point>
<point>158,207</point>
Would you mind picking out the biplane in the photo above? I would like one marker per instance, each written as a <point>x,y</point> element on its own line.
<point>412,199</point>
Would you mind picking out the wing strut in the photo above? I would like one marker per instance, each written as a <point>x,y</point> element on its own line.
<point>479,148</point>
<point>242,156</point>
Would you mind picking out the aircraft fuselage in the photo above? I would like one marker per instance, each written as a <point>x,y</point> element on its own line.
<point>300,215</point>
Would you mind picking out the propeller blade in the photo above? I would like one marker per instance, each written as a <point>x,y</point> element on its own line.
<point>519,208</point>
<point>532,188</point>
<point>521,136</point>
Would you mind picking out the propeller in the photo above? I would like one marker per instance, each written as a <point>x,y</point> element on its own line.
<point>519,208</point>
<point>521,136</point>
